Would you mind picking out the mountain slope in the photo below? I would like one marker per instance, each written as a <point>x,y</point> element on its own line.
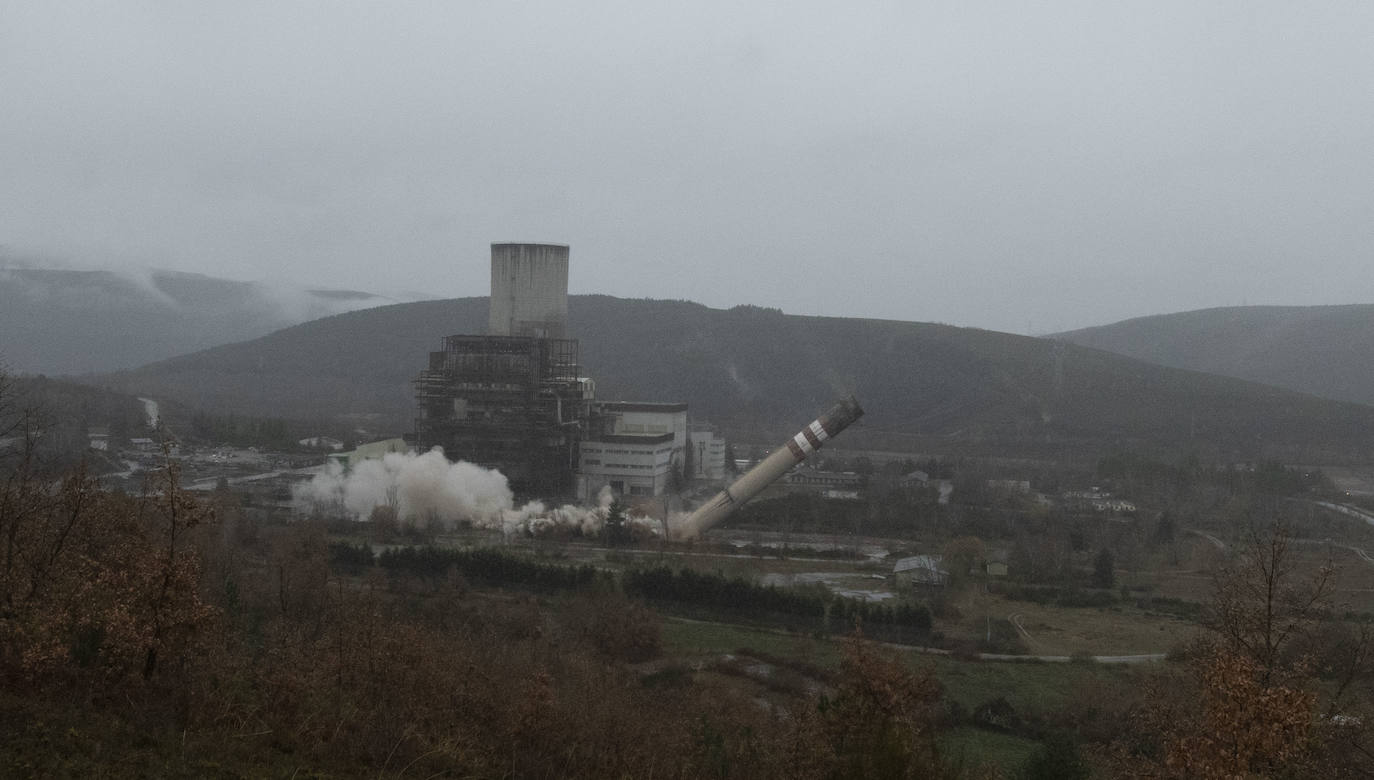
<point>1323,350</point>
<point>66,322</point>
<point>759,373</point>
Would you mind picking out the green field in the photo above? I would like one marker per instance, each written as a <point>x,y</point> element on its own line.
<point>1032,688</point>
<point>974,746</point>
<point>1029,686</point>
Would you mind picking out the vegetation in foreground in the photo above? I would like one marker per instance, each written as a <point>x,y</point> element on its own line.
<point>160,635</point>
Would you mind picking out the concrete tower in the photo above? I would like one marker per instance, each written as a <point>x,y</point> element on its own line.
<point>529,290</point>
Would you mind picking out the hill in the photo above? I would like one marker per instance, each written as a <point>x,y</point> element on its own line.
<point>759,373</point>
<point>1322,350</point>
<point>58,321</point>
<point>63,412</point>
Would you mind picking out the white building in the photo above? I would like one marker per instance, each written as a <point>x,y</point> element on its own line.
<point>830,484</point>
<point>322,442</point>
<point>99,437</point>
<point>375,450</point>
<point>636,465</point>
<point>920,570</point>
<point>636,450</point>
<point>708,455</point>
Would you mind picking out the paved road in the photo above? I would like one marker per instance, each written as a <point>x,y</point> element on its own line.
<point>1345,509</point>
<point>1348,511</point>
<point>208,483</point>
<point>1364,556</point>
<point>1015,621</point>
<point>1220,545</point>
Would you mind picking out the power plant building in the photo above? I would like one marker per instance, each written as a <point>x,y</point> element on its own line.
<point>633,448</point>
<point>514,399</point>
<point>529,291</point>
<point>708,455</point>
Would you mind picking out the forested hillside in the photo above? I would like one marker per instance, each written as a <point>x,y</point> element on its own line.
<point>61,414</point>
<point>1323,350</point>
<point>759,373</point>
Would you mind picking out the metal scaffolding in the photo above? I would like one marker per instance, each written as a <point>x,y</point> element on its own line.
<point>513,403</point>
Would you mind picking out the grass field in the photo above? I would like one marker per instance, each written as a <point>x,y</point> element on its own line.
<point>1035,690</point>
<point>976,746</point>
<point>1028,685</point>
<point>1123,630</point>
<point>695,639</point>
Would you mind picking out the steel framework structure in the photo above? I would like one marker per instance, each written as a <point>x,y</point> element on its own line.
<point>513,403</point>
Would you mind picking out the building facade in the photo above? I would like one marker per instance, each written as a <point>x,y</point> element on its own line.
<point>512,403</point>
<point>514,399</point>
<point>830,484</point>
<point>708,455</point>
<point>529,291</point>
<point>636,449</point>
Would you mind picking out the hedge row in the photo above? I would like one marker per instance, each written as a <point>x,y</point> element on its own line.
<point>734,595</point>
<point>487,566</point>
<point>741,596</point>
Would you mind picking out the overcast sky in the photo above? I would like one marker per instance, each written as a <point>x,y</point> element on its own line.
<point>1020,166</point>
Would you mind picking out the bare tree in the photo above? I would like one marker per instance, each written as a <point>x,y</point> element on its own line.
<point>1262,605</point>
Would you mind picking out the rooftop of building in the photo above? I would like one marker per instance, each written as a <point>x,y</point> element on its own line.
<point>917,562</point>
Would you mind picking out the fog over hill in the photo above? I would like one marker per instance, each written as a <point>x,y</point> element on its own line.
<point>758,372</point>
<point>1323,350</point>
<point>65,321</point>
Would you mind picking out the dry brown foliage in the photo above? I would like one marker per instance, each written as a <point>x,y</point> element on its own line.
<point>1250,705</point>
<point>95,586</point>
<point>248,645</point>
<point>1241,724</point>
<point>881,720</point>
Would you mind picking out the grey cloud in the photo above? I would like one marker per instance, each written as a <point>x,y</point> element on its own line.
<point>994,164</point>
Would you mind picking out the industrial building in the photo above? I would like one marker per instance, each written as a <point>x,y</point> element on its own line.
<point>375,450</point>
<point>708,454</point>
<point>515,398</point>
<point>634,448</point>
<point>830,484</point>
<point>529,291</point>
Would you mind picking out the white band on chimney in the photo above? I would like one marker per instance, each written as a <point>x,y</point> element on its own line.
<point>805,445</point>
<point>819,430</point>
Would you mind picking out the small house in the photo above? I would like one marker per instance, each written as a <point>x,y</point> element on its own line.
<point>920,570</point>
<point>99,437</point>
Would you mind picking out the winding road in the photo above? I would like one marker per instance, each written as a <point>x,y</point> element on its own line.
<point>1348,511</point>
<point>1219,544</point>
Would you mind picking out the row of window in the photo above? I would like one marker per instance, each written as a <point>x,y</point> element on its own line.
<point>597,462</point>
<point>636,466</point>
<point>597,451</point>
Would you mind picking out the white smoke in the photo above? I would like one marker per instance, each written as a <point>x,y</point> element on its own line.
<point>428,491</point>
<point>536,519</point>
<point>422,488</point>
